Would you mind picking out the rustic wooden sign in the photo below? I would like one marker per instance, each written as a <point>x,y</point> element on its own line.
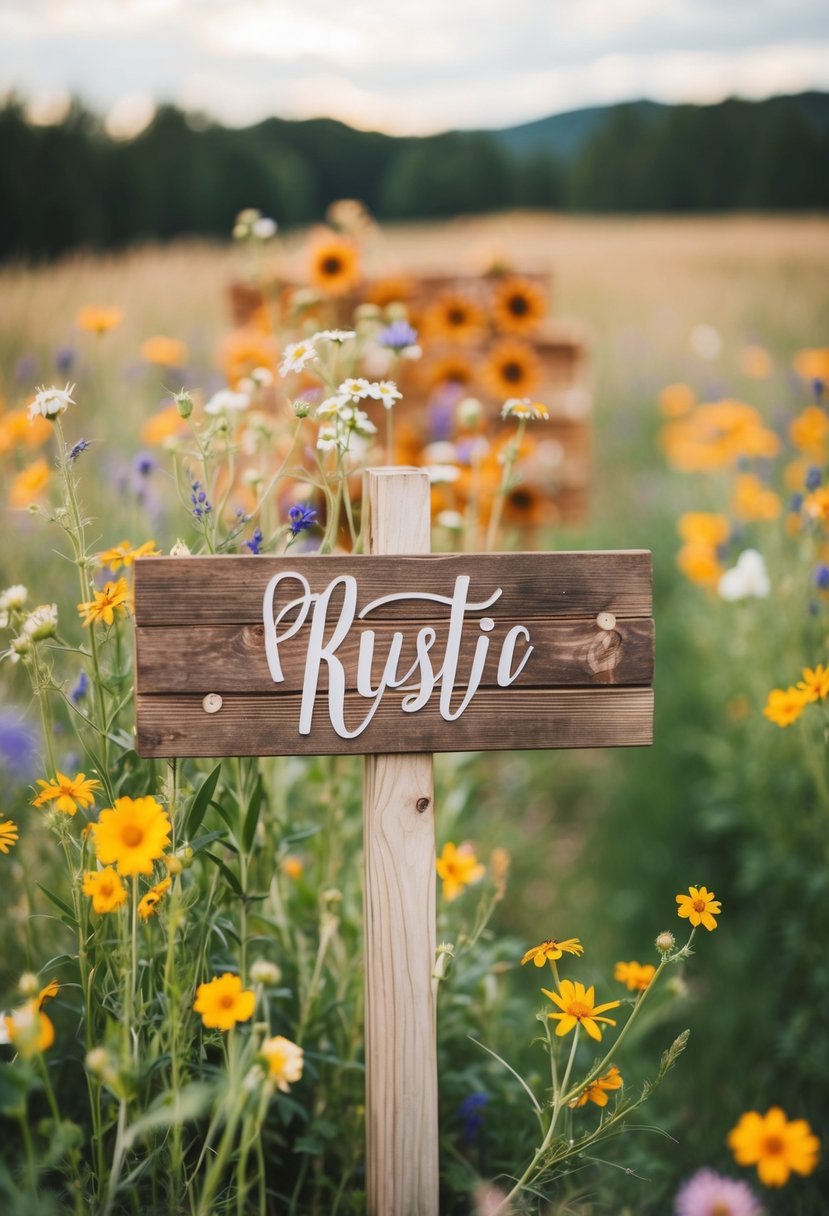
<point>315,655</point>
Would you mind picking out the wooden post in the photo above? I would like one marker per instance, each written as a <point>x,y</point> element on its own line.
<point>399,901</point>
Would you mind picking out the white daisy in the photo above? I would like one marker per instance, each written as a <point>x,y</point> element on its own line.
<point>296,356</point>
<point>50,402</point>
<point>227,402</point>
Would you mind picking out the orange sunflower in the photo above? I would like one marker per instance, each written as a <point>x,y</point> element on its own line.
<point>519,306</point>
<point>454,317</point>
<point>513,369</point>
<point>452,370</point>
<point>333,264</point>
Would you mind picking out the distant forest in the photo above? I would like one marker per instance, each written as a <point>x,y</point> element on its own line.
<point>69,186</point>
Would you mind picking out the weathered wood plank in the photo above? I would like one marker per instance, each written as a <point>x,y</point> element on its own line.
<point>498,719</point>
<point>228,589</point>
<point>227,658</point>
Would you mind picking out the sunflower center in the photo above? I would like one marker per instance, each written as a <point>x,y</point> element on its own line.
<point>519,306</point>
<point>579,1010</point>
<point>773,1146</point>
<point>132,835</point>
<point>699,905</point>
<point>227,1001</point>
<point>513,372</point>
<point>456,316</point>
<point>332,264</point>
<point>522,500</point>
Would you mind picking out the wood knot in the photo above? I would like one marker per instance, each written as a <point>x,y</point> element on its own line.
<point>422,805</point>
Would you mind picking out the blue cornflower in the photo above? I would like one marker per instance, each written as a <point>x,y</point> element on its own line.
<point>144,464</point>
<point>821,577</point>
<point>471,1113</point>
<point>397,336</point>
<point>255,542</point>
<point>77,448</point>
<point>301,518</point>
<point>80,689</point>
<point>813,478</point>
<point>198,497</point>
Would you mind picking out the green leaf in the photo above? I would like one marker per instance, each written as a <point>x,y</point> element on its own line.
<point>14,1086</point>
<point>58,902</point>
<point>252,817</point>
<point>176,1107</point>
<point>226,871</point>
<point>201,800</point>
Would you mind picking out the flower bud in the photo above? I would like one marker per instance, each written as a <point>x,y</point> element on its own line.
<point>29,984</point>
<point>184,403</point>
<point>665,942</point>
<point>302,408</point>
<point>263,971</point>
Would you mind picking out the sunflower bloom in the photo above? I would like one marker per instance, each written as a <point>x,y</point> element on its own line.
<point>334,265</point>
<point>518,306</point>
<point>552,950</point>
<point>132,835</point>
<point>284,1060</point>
<point>635,976</point>
<point>149,903</point>
<point>105,889</point>
<point>776,1145</point>
<point>699,906</point>
<point>596,1091</point>
<point>222,1002</point>
<point>114,598</point>
<point>458,868</point>
<point>67,793</point>
<point>29,1030</point>
<point>785,705</point>
<point>513,369</point>
<point>454,317</point>
<point>8,835</point>
<point>578,1008</point>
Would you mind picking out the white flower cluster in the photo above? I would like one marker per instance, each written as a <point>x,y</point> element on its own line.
<point>749,578</point>
<point>253,225</point>
<point>39,624</point>
<point>51,402</point>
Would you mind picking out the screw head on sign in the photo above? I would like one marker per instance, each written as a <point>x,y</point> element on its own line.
<point>606,620</point>
<point>212,703</point>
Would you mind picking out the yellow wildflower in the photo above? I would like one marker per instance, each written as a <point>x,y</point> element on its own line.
<point>165,352</point>
<point>99,321</point>
<point>124,554</point>
<point>776,1145</point>
<point>29,1030</point>
<point>636,976</point>
<point>596,1091</point>
<point>105,889</point>
<point>809,431</point>
<point>754,500</point>
<point>284,1060</point>
<point>785,705</point>
<point>578,1008</point>
<point>8,835</point>
<point>815,682</point>
<point>459,868</point>
<point>132,835</point>
<point>552,949</point>
<point>678,399</point>
<point>67,793</point>
<point>149,903</point>
<point>223,1002</point>
<point>29,484</point>
<point>699,906</point>
<point>813,364</point>
<point>114,598</point>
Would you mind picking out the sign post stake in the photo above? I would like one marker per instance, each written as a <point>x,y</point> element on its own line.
<point>399,902</point>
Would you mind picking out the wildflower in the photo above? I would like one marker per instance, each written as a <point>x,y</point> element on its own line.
<point>334,264</point>
<point>114,598</point>
<point>387,392</point>
<point>397,336</point>
<point>77,448</point>
<point>29,1030</point>
<point>99,321</point>
<point>165,424</point>
<point>12,600</point>
<point>812,364</point>
<point>18,749</point>
<point>67,793</point>
<point>199,499</point>
<point>748,578</point>
<point>296,356</point>
<point>707,1193</point>
<point>262,971</point>
<point>64,359</point>
<point>48,993</point>
<point>512,369</point>
<point>149,903</point>
<point>164,352</point>
<point>41,623</point>
<point>245,351</point>
<point>635,976</point>
<point>519,306</point>
<point>699,906</point>
<point>29,483</point>
<point>105,889</point>
<point>454,318</point>
<point>813,479</point>
<point>551,950</point>
<point>132,834</point>
<point>815,682</point>
<point>292,866</point>
<point>223,1002</point>
<point>578,1009</point>
<point>596,1091</point>
<point>8,835</point>
<point>180,549</point>
<point>255,542</point>
<point>284,1060</point>
<point>302,518</point>
<point>18,647</point>
<point>51,402</point>
<point>676,400</point>
<point>459,868</point>
<point>471,1113</point>
<point>809,432</point>
<point>753,500</point>
<point>124,554</point>
<point>524,409</point>
<point>776,1145</point>
<point>355,389</point>
<point>785,705</point>
<point>665,941</point>
<point>227,402</point>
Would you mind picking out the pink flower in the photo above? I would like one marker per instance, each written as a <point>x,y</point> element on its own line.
<point>710,1194</point>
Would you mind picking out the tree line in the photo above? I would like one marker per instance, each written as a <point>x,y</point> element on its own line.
<point>69,185</point>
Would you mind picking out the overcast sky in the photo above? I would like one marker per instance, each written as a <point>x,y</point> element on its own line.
<point>405,66</point>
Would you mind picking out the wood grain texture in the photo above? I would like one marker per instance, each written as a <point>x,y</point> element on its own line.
<point>399,904</point>
<point>496,720</point>
<point>231,658</point>
<point>229,589</point>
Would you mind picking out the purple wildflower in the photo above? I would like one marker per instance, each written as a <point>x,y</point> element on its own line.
<point>813,478</point>
<point>796,504</point>
<point>64,359</point>
<point>710,1194</point>
<point>198,497</point>
<point>471,1112</point>
<point>821,577</point>
<point>18,750</point>
<point>302,518</point>
<point>144,464</point>
<point>817,388</point>
<point>77,448</point>
<point>255,542</point>
<point>79,689</point>
<point>397,336</point>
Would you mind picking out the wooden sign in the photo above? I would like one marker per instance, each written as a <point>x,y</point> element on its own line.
<point>254,656</point>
